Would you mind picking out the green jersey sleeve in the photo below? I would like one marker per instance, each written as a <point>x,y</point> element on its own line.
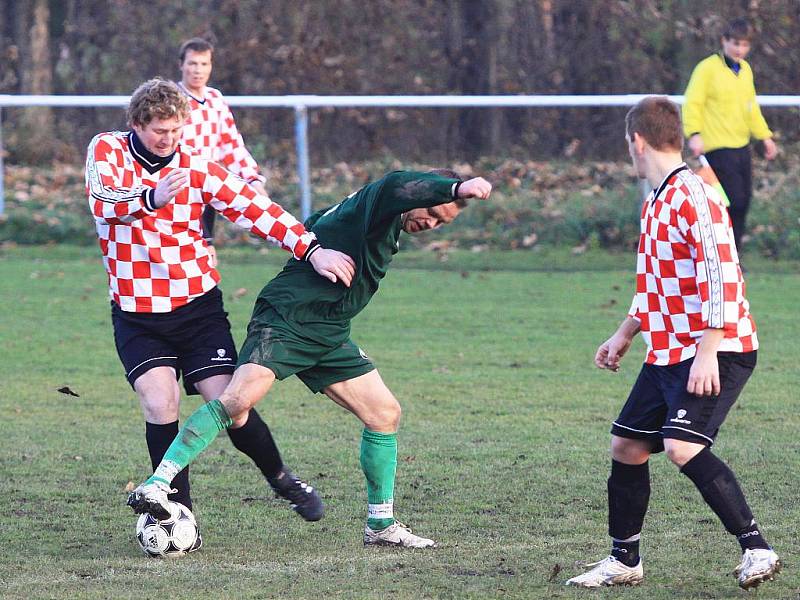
<point>401,191</point>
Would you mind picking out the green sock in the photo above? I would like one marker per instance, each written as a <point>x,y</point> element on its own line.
<point>379,463</point>
<point>198,432</point>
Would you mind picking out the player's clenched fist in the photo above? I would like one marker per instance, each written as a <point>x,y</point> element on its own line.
<point>477,187</point>
<point>169,186</point>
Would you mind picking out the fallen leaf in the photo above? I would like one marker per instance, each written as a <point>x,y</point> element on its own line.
<point>68,392</point>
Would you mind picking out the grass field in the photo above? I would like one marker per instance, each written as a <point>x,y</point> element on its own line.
<point>503,447</point>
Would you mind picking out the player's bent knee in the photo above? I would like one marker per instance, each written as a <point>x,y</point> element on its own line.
<point>680,452</point>
<point>385,419</point>
<point>629,451</point>
<point>249,384</point>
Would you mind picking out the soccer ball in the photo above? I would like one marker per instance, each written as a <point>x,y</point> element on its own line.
<point>169,537</point>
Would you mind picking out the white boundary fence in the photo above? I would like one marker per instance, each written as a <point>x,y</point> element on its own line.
<point>301,104</point>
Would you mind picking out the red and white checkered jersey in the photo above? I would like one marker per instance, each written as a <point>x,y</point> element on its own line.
<point>688,277</point>
<point>211,130</point>
<point>156,259</point>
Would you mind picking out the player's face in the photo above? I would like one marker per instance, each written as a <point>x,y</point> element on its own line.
<point>161,136</point>
<point>424,219</point>
<point>735,49</point>
<point>195,70</point>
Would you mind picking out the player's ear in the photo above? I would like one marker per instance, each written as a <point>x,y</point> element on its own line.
<point>638,142</point>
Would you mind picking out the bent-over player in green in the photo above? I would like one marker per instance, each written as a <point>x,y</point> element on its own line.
<point>301,326</point>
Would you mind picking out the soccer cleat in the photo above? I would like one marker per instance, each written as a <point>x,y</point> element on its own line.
<point>303,498</point>
<point>607,572</point>
<point>396,534</point>
<point>151,498</point>
<point>758,565</point>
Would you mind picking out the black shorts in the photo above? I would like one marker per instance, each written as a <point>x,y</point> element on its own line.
<point>194,339</point>
<point>660,407</point>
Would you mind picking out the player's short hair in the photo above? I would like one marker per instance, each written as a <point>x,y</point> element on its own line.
<point>658,121</point>
<point>739,29</point>
<point>156,99</point>
<point>449,173</point>
<point>196,45</point>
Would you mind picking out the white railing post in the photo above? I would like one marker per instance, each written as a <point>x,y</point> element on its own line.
<point>2,168</point>
<point>301,141</point>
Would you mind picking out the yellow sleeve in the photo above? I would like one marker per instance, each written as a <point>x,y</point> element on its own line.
<point>695,99</point>
<point>758,124</point>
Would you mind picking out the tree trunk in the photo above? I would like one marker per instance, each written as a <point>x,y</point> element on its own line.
<point>38,79</point>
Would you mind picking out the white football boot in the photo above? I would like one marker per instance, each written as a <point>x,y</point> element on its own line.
<point>607,572</point>
<point>396,534</point>
<point>758,565</point>
<point>151,498</point>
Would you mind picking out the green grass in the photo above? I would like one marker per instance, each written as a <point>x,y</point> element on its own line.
<point>503,446</point>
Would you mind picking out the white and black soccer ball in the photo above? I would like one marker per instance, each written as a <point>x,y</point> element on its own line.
<point>174,536</point>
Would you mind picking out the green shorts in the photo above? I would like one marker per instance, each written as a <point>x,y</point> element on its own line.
<point>274,345</point>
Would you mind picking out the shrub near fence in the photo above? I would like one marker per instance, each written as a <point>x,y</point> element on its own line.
<point>555,203</point>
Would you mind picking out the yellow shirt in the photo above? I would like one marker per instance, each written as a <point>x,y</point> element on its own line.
<point>721,105</point>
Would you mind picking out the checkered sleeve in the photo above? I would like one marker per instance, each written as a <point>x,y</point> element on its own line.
<point>113,197</point>
<point>242,205</point>
<point>705,224</point>
<point>232,151</point>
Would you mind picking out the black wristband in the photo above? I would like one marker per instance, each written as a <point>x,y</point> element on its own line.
<point>312,247</point>
<point>455,190</point>
<point>149,199</point>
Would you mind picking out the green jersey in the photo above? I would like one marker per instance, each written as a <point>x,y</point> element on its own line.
<point>366,226</point>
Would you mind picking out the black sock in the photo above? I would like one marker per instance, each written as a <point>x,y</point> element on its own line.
<point>628,497</point>
<point>626,552</point>
<point>255,440</point>
<point>722,493</point>
<point>159,437</point>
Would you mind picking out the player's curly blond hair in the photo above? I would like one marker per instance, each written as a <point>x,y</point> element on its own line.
<point>156,99</point>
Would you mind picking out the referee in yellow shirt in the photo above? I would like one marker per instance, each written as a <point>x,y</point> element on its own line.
<point>720,115</point>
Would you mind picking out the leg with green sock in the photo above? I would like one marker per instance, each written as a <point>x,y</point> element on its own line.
<point>379,463</point>
<point>199,431</point>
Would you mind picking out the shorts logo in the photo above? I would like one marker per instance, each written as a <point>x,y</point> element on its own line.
<point>680,419</point>
<point>363,354</point>
<point>221,355</point>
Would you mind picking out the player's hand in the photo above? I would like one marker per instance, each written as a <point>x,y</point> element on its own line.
<point>169,186</point>
<point>333,265</point>
<point>212,256</point>
<point>259,187</point>
<point>696,145</point>
<point>611,351</point>
<point>477,187</point>
<point>770,149</point>
<point>704,375</point>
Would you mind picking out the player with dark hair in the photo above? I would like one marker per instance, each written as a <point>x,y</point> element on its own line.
<point>147,192</point>
<point>210,128</point>
<point>721,114</point>
<point>701,341</point>
<point>301,326</point>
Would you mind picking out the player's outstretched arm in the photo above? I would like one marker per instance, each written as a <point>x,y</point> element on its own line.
<point>477,187</point>
<point>333,265</point>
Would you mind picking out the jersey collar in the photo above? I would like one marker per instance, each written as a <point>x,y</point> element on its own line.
<point>192,96</point>
<point>668,178</point>
<point>151,162</point>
